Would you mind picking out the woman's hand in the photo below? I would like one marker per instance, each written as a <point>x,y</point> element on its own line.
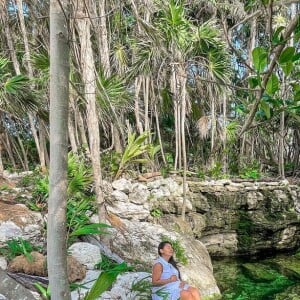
<point>173,278</point>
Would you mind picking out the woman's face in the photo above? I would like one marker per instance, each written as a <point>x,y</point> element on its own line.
<point>167,250</point>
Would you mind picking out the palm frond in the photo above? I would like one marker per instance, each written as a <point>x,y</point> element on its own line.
<point>203,126</point>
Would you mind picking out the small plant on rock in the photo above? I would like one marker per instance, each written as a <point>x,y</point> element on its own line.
<point>16,247</point>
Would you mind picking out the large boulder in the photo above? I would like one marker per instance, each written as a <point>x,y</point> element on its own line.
<point>87,254</point>
<point>17,221</point>
<point>12,290</point>
<point>138,241</point>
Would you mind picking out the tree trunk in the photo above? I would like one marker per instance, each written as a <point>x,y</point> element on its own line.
<point>30,73</point>
<point>59,97</point>
<point>8,35</point>
<point>89,80</point>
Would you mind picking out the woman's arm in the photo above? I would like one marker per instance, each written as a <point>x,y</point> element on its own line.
<point>156,274</point>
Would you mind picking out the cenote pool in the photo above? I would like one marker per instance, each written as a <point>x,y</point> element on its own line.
<point>272,278</point>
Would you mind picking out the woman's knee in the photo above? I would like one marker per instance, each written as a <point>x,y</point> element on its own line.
<point>195,292</point>
<point>186,295</point>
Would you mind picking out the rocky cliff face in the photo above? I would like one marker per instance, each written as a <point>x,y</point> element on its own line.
<point>241,218</point>
<point>223,218</point>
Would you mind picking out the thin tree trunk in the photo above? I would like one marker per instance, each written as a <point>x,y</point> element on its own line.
<point>8,35</point>
<point>213,126</point>
<point>59,97</point>
<point>25,160</point>
<point>15,147</point>
<point>159,135</point>
<point>182,131</point>
<point>89,80</point>
<point>30,73</point>
<point>137,88</point>
<point>7,145</point>
<point>224,158</point>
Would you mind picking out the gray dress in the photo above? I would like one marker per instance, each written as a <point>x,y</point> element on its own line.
<point>169,291</point>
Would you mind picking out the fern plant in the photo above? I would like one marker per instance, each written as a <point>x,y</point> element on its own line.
<point>136,147</point>
<point>16,247</point>
<point>106,279</point>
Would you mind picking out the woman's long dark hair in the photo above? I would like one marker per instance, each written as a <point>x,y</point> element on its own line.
<point>171,261</point>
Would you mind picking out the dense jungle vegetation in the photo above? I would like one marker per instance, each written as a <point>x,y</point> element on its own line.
<point>202,88</point>
<point>207,86</point>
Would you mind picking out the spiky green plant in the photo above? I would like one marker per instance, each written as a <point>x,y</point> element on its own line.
<point>136,147</point>
<point>106,279</point>
<point>16,247</point>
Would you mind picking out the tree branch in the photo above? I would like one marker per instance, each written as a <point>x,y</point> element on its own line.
<point>277,51</point>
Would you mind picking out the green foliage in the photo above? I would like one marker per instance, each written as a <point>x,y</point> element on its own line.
<point>216,171</point>
<point>106,279</point>
<point>272,85</point>
<point>15,94</point>
<point>16,247</point>
<point>5,187</point>
<point>251,171</point>
<point>80,204</point>
<point>105,264</point>
<point>142,288</point>
<point>260,59</point>
<point>79,212</point>
<point>44,292</point>
<point>170,164</point>
<point>136,147</point>
<point>156,212</point>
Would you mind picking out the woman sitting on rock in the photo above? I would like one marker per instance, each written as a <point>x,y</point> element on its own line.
<point>166,278</point>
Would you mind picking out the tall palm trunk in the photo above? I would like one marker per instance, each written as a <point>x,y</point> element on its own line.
<point>59,97</point>
<point>89,79</point>
<point>105,62</point>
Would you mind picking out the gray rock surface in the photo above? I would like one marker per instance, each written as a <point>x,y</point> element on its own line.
<point>12,290</point>
<point>87,254</point>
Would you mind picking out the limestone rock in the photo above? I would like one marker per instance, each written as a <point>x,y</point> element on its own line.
<point>87,254</point>
<point>122,185</point>
<point>139,194</point>
<point>139,243</point>
<point>129,210</point>
<point>122,288</point>
<point>3,263</point>
<point>87,282</point>
<point>12,290</point>
<point>16,220</point>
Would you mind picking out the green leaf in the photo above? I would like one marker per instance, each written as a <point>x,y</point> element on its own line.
<point>277,38</point>
<point>272,85</point>
<point>265,2</point>
<point>260,58</point>
<point>296,57</point>
<point>90,229</point>
<point>297,96</point>
<point>266,108</point>
<point>102,284</point>
<point>286,55</point>
<point>105,281</point>
<point>287,68</point>
<point>253,82</point>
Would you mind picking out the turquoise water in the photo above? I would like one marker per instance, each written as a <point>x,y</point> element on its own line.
<point>276,278</point>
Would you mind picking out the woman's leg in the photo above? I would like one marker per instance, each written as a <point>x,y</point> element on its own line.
<point>194,292</point>
<point>186,295</point>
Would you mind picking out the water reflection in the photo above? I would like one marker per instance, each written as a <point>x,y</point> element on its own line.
<point>272,278</point>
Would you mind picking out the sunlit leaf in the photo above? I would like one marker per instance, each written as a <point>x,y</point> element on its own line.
<point>286,55</point>
<point>260,58</point>
<point>272,85</point>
